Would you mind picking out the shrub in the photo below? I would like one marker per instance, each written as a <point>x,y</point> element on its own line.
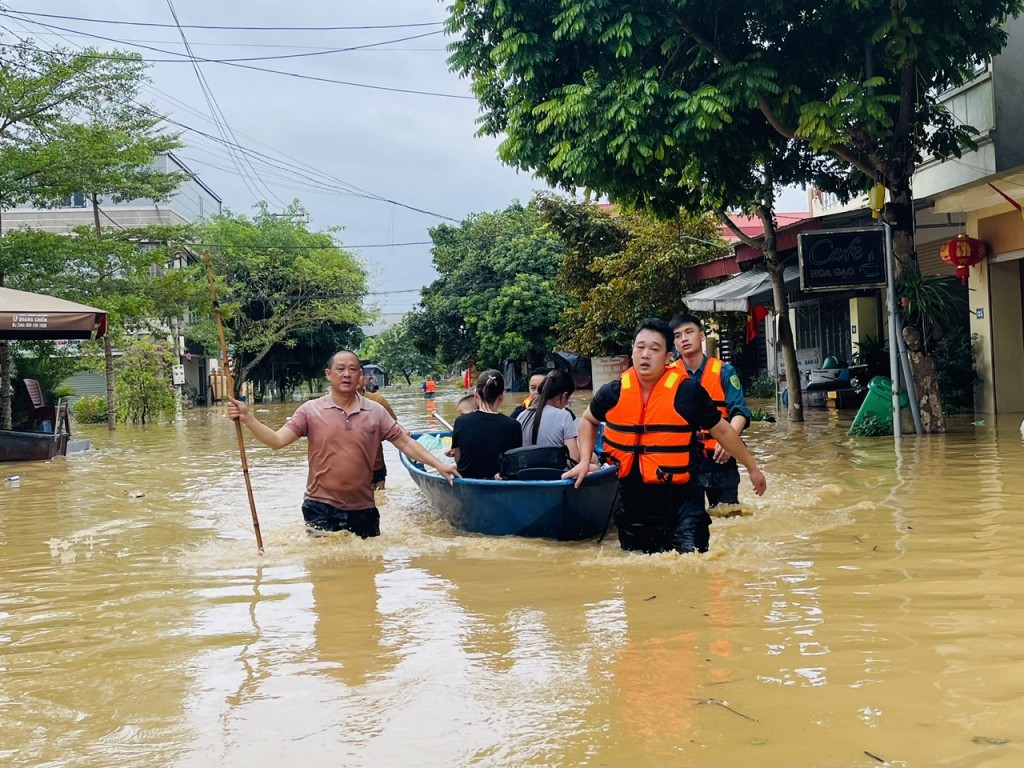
<point>143,388</point>
<point>762,386</point>
<point>90,409</point>
<point>956,370</point>
<point>871,426</point>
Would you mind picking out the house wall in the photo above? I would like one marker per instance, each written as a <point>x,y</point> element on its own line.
<point>1008,86</point>
<point>996,290</point>
<point>863,318</point>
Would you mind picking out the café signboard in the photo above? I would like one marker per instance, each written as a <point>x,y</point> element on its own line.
<point>842,259</point>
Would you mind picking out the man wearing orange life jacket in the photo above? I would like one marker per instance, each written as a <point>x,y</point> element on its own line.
<point>651,415</point>
<point>718,473</point>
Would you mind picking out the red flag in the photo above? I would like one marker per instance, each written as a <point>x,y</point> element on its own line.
<point>754,318</point>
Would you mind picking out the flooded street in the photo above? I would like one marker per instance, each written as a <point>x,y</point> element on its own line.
<point>868,610</point>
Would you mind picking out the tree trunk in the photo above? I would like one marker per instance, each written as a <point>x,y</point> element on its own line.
<point>108,369</point>
<point>108,347</point>
<point>5,379</point>
<point>900,213</point>
<point>6,416</point>
<point>795,409</point>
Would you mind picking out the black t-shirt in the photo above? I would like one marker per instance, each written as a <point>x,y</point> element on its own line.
<point>692,402</point>
<point>481,438</point>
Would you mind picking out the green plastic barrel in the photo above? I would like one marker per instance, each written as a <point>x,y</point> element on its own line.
<point>878,402</point>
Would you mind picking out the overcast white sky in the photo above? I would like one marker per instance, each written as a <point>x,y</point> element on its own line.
<point>414,149</point>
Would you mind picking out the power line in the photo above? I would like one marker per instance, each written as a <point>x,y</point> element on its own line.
<point>216,44</point>
<point>184,58</point>
<point>323,184</point>
<point>314,78</point>
<point>221,121</point>
<point>357,193</point>
<point>209,26</point>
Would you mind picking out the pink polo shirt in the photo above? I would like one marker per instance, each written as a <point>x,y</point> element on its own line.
<point>341,448</point>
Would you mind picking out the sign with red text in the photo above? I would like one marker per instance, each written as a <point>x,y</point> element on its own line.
<point>842,259</point>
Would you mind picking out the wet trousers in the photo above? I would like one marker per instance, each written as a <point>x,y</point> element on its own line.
<point>659,517</point>
<point>721,482</point>
<point>319,516</point>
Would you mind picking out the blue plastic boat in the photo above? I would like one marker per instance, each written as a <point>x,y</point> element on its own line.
<point>548,509</point>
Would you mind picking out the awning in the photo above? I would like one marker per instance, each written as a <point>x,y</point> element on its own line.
<point>739,292</point>
<point>25,315</point>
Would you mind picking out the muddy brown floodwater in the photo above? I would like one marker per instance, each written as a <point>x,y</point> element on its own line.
<point>868,610</point>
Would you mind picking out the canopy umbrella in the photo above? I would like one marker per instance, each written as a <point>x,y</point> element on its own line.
<point>740,292</point>
<point>25,315</point>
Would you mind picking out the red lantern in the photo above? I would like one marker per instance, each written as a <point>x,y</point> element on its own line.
<point>963,252</point>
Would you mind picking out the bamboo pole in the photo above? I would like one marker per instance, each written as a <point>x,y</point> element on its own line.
<point>231,389</point>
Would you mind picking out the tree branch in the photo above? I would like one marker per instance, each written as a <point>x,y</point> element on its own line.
<point>722,215</point>
<point>840,150</point>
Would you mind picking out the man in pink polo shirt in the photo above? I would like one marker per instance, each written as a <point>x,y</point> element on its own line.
<point>343,430</point>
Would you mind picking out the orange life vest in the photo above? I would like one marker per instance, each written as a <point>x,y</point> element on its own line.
<point>654,431</point>
<point>711,380</point>
<point>430,386</point>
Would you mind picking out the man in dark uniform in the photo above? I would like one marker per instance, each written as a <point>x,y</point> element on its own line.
<point>718,473</point>
<point>651,418</point>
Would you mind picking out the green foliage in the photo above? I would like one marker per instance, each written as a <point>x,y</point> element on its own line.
<point>45,362</point>
<point>394,350</point>
<point>496,297</point>
<point>761,387</point>
<point>619,270</point>
<point>143,390</point>
<point>43,95</point>
<point>760,414</point>
<point>90,409</point>
<point>713,105</point>
<point>957,370</point>
<point>871,426</point>
<point>873,352</point>
<point>302,357</point>
<point>277,279</point>
<point>929,301</point>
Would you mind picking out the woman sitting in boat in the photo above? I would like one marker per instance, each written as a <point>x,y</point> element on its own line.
<point>548,421</point>
<point>479,438</point>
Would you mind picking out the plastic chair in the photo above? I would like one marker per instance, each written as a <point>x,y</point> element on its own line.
<point>44,415</point>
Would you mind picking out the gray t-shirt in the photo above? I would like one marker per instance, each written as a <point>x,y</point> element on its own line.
<point>556,426</point>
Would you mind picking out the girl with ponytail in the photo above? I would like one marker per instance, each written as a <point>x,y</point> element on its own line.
<point>479,438</point>
<point>548,421</point>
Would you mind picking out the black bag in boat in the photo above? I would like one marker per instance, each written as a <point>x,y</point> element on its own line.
<point>546,462</point>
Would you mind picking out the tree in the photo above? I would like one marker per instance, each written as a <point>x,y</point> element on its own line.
<point>277,279</point>
<point>41,92</point>
<point>110,155</point>
<point>302,358</point>
<point>631,100</point>
<point>585,109</point>
<point>620,270</point>
<point>394,350</point>
<point>496,297</point>
<point>144,390</point>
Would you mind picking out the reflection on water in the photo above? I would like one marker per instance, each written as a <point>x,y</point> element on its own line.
<point>870,604</point>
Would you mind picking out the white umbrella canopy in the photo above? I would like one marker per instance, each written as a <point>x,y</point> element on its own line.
<point>740,292</point>
<point>25,315</point>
